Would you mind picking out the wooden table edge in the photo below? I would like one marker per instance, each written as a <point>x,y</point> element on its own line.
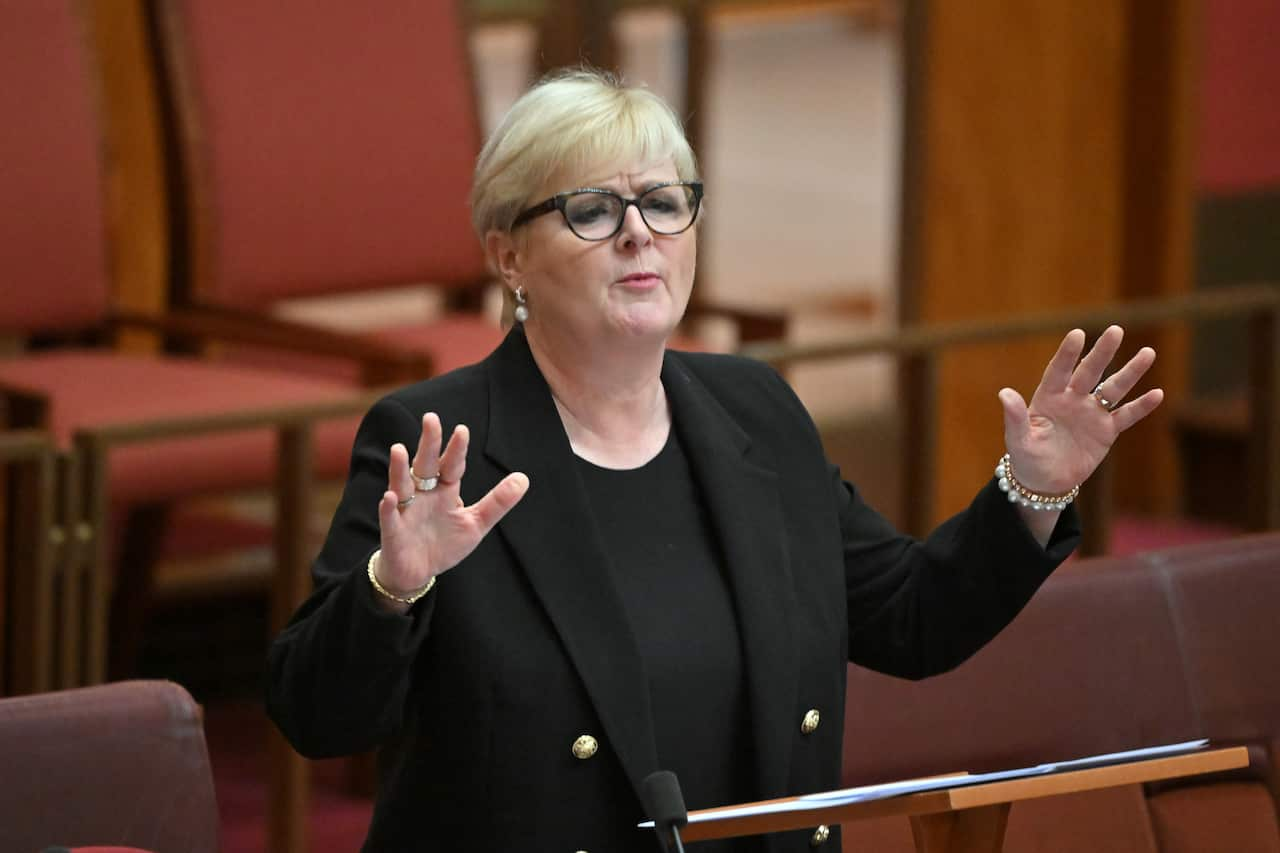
<point>975,796</point>
<point>1110,776</point>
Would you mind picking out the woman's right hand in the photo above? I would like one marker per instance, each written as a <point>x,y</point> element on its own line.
<point>426,533</point>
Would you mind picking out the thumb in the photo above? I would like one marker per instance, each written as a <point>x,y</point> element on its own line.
<point>1017,423</point>
<point>490,509</point>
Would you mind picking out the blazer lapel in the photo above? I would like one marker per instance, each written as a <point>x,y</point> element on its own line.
<point>560,551</point>
<point>741,492</point>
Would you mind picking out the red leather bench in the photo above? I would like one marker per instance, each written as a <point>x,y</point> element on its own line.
<point>1113,653</point>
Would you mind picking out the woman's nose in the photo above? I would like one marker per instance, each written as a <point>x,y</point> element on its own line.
<point>635,232</point>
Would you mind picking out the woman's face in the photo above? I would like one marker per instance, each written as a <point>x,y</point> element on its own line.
<point>634,285</point>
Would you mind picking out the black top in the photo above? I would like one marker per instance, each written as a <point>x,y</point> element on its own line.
<point>669,574</point>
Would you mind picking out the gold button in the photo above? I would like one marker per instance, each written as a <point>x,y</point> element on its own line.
<point>809,724</point>
<point>820,836</point>
<point>585,747</point>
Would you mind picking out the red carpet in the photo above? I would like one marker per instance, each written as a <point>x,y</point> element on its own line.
<point>237,735</point>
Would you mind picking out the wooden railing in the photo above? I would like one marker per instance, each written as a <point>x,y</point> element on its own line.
<point>919,349</point>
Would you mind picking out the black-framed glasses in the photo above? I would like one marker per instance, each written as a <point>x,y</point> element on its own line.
<point>595,214</point>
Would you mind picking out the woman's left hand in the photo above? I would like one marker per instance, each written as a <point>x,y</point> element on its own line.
<point>1075,415</point>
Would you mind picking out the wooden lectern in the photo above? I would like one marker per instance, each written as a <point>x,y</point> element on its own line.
<point>966,818</point>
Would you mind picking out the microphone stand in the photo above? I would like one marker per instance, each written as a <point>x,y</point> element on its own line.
<point>663,800</point>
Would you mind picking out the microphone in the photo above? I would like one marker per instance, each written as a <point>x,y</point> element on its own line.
<point>660,795</point>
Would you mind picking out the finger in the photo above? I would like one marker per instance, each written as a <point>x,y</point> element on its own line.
<point>1016,421</point>
<point>1089,372</point>
<point>398,479</point>
<point>1057,372</point>
<point>388,514</point>
<point>1118,385</point>
<point>490,509</point>
<point>453,464</point>
<point>1132,412</point>
<point>426,460</point>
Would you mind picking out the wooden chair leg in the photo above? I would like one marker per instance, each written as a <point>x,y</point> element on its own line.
<point>976,830</point>
<point>1097,511</point>
<point>138,553</point>
<point>289,791</point>
<point>73,566</point>
<point>26,569</point>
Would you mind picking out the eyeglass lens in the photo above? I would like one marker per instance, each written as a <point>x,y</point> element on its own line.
<point>598,215</point>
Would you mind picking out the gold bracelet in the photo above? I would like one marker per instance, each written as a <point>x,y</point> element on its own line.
<point>407,598</point>
<point>1021,495</point>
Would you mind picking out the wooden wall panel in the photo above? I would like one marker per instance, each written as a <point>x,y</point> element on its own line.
<point>1018,196</point>
<point>1049,162</point>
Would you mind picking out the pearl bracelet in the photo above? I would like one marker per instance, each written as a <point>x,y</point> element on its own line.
<point>406,598</point>
<point>1023,496</point>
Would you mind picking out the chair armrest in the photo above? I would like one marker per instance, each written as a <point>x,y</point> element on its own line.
<point>380,363</point>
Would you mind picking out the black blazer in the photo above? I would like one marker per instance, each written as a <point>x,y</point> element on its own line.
<point>478,695</point>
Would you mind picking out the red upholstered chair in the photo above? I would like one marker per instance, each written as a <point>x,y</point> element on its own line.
<point>55,253</point>
<point>119,764</point>
<point>325,148</point>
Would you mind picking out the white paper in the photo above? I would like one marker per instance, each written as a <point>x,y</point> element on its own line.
<point>915,786</point>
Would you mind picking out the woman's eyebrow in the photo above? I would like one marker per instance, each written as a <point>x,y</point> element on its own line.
<point>611,184</point>
<point>643,188</point>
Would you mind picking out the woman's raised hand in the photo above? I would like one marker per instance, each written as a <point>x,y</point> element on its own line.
<point>1075,415</point>
<point>426,528</point>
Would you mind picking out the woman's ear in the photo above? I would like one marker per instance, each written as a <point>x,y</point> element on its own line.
<point>503,254</point>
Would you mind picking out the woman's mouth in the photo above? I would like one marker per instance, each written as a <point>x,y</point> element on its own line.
<point>640,280</point>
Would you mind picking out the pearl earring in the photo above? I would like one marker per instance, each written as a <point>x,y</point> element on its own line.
<point>522,308</point>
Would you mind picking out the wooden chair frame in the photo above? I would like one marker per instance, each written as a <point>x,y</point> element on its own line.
<point>64,591</point>
<point>88,592</point>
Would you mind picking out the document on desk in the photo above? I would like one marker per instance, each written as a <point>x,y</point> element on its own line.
<point>913,786</point>
<point>935,783</point>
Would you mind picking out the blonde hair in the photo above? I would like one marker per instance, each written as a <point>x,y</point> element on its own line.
<point>569,122</point>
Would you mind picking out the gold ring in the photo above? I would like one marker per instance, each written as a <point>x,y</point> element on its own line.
<point>401,504</point>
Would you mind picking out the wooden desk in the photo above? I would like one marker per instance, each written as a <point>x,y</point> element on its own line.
<point>971,819</point>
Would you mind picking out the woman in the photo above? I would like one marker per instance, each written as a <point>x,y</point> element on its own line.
<point>627,558</point>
